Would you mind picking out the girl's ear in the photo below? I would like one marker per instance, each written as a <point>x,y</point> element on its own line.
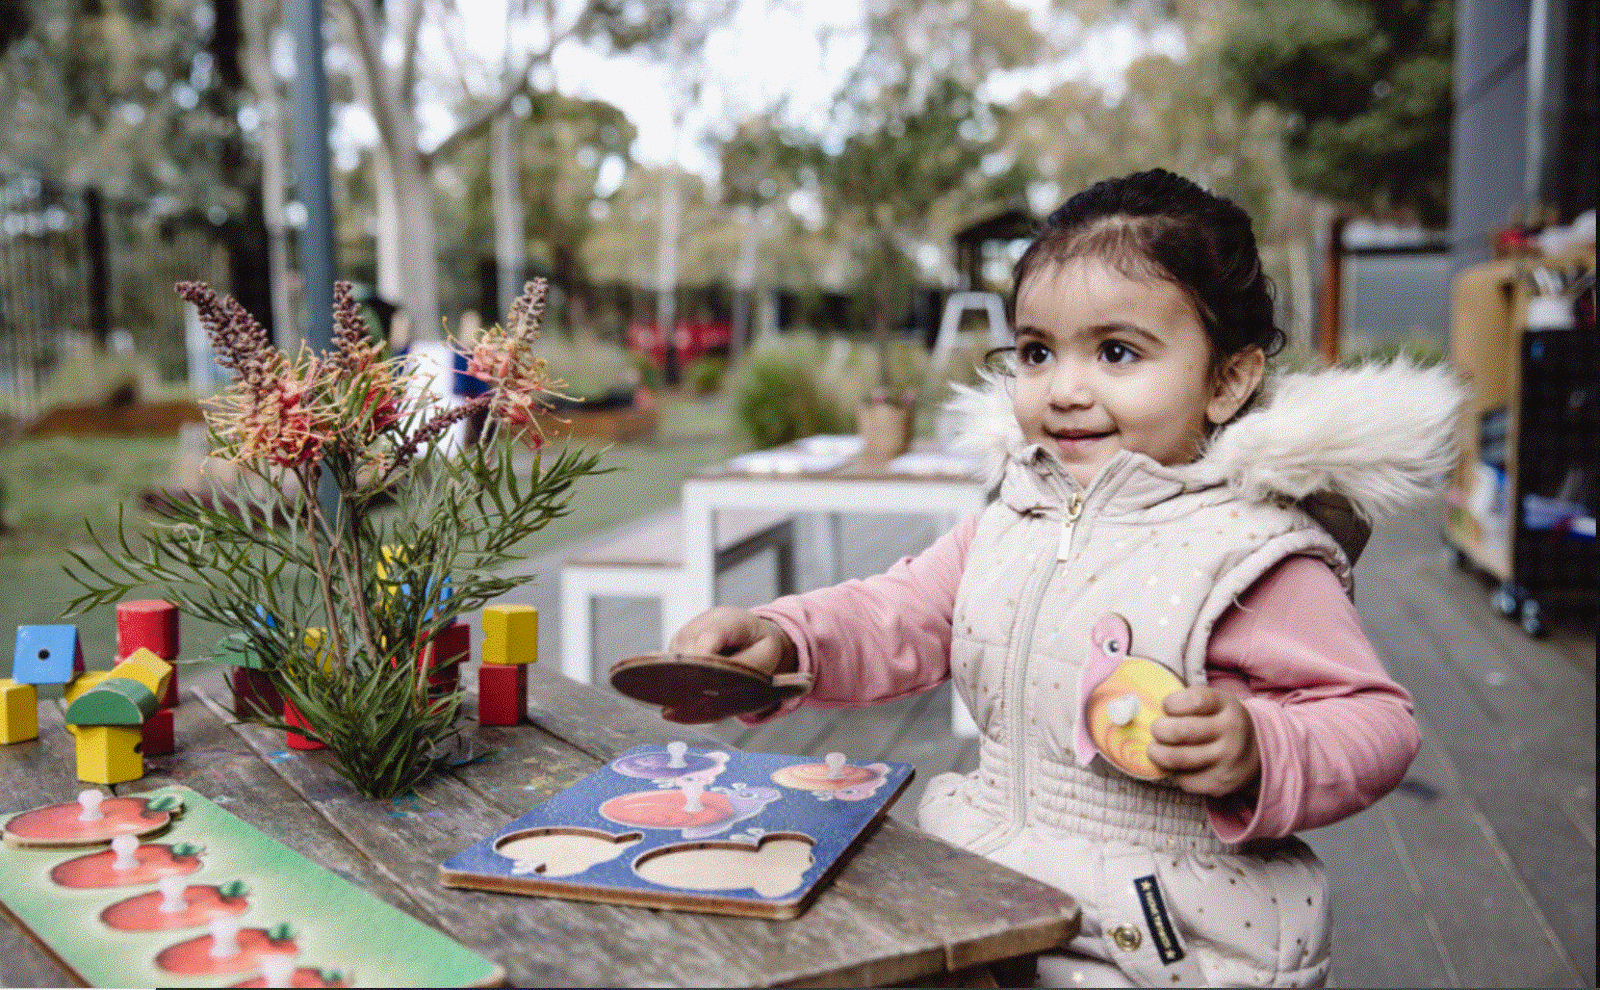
<point>1235,382</point>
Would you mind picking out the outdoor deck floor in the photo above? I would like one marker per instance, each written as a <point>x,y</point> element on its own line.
<point>1478,871</point>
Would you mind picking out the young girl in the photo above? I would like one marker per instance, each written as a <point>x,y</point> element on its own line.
<point>1146,510</point>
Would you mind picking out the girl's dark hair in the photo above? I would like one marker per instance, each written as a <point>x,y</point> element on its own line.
<point>1157,224</point>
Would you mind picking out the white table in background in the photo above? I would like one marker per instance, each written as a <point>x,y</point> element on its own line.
<point>821,475</point>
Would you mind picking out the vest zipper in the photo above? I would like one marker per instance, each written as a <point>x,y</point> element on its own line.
<point>1016,678</point>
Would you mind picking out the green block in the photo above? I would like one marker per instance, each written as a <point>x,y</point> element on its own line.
<point>114,701</point>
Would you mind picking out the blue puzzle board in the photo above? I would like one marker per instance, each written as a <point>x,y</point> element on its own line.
<point>689,828</point>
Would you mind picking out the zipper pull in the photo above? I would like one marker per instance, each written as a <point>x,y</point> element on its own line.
<point>1074,507</point>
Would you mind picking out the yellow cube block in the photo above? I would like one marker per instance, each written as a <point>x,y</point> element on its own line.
<point>316,640</point>
<point>19,711</point>
<point>84,682</point>
<point>510,634</point>
<point>148,669</point>
<point>109,754</point>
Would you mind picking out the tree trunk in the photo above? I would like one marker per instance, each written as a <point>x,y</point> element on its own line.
<point>274,173</point>
<point>510,219</point>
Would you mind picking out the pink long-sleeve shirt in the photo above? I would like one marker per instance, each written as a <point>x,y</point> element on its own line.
<point>1335,732</point>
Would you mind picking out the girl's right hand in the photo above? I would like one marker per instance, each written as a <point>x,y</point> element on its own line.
<point>739,635</point>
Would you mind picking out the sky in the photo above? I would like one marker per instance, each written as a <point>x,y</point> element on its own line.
<point>769,51</point>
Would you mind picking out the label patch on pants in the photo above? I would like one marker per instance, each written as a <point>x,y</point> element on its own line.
<point>1157,919</point>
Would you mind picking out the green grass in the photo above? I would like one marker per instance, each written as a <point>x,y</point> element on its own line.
<point>53,486</point>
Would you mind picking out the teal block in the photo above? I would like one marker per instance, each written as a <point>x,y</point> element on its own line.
<point>114,701</point>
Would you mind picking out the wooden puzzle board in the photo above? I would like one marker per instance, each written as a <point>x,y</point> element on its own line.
<point>336,928</point>
<point>693,829</point>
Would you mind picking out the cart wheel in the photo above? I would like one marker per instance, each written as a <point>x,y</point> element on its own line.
<point>1531,618</point>
<point>1507,600</point>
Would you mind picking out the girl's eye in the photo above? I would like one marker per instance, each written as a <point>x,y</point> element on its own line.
<point>1116,352</point>
<point>1033,353</point>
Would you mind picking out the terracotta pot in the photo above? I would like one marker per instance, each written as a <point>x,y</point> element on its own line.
<point>886,429</point>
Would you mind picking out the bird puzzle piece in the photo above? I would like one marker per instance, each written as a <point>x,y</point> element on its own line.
<point>1120,697</point>
<point>695,688</point>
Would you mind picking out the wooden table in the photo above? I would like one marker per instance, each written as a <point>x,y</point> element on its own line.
<point>904,908</point>
<point>797,479</point>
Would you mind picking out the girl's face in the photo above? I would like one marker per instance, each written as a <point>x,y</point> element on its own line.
<point>1108,363</point>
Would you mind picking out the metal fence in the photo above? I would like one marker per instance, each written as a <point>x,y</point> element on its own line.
<point>79,272</point>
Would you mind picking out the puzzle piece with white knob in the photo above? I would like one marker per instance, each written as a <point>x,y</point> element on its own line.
<point>167,889</point>
<point>692,829</point>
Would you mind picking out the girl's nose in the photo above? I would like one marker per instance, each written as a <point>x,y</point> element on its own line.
<point>1069,386</point>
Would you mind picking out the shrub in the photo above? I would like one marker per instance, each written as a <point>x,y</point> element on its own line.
<point>783,390</point>
<point>705,373</point>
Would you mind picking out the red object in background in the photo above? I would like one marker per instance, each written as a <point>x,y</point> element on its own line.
<point>292,739</point>
<point>502,693</point>
<point>692,339</point>
<point>450,645</point>
<point>254,694</point>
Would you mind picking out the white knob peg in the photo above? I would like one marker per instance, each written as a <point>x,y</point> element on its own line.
<point>172,900</point>
<point>835,763</point>
<point>89,801</point>
<point>675,754</point>
<point>224,936</point>
<point>1121,709</point>
<point>692,792</point>
<point>278,969</point>
<point>125,847</point>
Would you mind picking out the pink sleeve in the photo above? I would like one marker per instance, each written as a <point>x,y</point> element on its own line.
<point>1334,731</point>
<point>879,638</point>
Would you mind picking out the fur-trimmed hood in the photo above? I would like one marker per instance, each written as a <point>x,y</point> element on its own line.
<point>1378,437</point>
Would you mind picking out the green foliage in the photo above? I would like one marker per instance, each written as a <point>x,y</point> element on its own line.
<point>705,373</point>
<point>458,528</point>
<point>1365,87</point>
<point>783,390</point>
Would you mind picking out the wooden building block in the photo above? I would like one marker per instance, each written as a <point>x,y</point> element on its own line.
<point>46,655</point>
<point>109,754</point>
<point>158,738</point>
<point>510,634</point>
<point>19,712</point>
<point>84,682</point>
<point>113,701</point>
<point>502,693</point>
<point>144,666</point>
<point>291,738</point>
<point>151,624</point>
<point>452,645</point>
<point>254,694</point>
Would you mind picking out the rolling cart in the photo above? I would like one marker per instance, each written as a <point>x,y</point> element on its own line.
<point>1521,501</point>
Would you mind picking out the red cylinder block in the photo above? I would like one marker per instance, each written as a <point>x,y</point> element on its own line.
<point>152,624</point>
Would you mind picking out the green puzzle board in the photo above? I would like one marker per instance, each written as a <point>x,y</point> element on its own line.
<point>335,925</point>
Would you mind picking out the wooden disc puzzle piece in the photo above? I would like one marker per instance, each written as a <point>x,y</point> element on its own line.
<point>1121,697</point>
<point>694,689</point>
<point>91,820</point>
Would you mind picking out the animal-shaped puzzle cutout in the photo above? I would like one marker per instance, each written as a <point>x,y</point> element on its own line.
<point>1119,697</point>
<point>606,838</point>
<point>155,906</point>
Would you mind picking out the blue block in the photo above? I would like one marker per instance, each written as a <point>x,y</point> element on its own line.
<point>47,655</point>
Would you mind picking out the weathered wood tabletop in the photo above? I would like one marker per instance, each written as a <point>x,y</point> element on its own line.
<point>905,907</point>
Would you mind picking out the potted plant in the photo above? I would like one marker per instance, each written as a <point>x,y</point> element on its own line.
<point>359,541</point>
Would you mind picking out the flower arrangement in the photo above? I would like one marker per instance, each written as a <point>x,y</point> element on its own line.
<point>356,540</point>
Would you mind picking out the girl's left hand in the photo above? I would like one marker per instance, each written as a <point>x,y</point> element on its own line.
<point>1207,742</point>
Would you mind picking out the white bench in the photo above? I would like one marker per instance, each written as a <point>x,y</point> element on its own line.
<point>647,562</point>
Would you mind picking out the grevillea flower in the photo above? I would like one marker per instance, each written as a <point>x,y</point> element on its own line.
<point>520,384</point>
<point>280,418</point>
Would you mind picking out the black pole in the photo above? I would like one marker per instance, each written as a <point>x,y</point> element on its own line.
<point>311,182</point>
<point>311,171</point>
